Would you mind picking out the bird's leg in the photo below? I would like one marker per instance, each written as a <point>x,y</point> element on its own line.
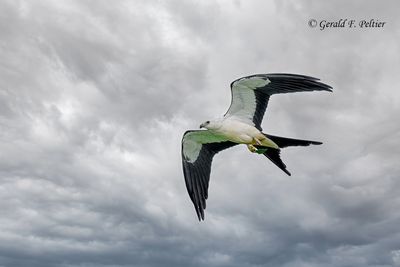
<point>258,142</point>
<point>252,148</point>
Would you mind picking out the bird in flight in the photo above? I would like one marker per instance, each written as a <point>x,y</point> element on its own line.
<point>241,124</point>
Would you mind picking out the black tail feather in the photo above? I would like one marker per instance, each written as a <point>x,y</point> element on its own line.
<point>274,155</point>
<point>285,142</point>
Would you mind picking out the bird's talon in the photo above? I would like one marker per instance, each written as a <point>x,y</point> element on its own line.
<point>252,148</point>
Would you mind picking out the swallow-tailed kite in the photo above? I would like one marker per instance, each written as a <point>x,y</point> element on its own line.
<point>241,124</point>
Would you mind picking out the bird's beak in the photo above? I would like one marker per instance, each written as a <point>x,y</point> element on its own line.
<point>201,125</point>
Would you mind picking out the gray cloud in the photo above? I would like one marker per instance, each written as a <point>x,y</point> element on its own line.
<point>94,99</point>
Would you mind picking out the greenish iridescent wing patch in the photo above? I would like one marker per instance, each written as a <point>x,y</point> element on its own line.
<point>204,136</point>
<point>193,141</point>
<point>261,150</point>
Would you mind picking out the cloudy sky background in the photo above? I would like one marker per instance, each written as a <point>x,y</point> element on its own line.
<point>95,97</point>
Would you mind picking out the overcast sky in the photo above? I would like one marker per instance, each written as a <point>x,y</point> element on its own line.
<point>95,97</point>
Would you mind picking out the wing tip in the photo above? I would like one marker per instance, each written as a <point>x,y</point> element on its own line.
<point>319,86</point>
<point>315,81</point>
<point>325,87</point>
<point>316,143</point>
<point>200,213</point>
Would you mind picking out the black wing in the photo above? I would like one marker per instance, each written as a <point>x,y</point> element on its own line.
<point>198,150</point>
<point>250,94</point>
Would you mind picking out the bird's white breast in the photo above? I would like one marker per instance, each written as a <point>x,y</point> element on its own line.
<point>238,131</point>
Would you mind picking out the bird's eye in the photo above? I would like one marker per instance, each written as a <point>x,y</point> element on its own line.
<point>208,122</point>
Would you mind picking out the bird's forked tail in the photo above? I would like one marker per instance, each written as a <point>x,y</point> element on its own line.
<point>273,154</point>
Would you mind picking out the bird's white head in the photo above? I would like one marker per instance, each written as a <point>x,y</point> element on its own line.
<point>211,125</point>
